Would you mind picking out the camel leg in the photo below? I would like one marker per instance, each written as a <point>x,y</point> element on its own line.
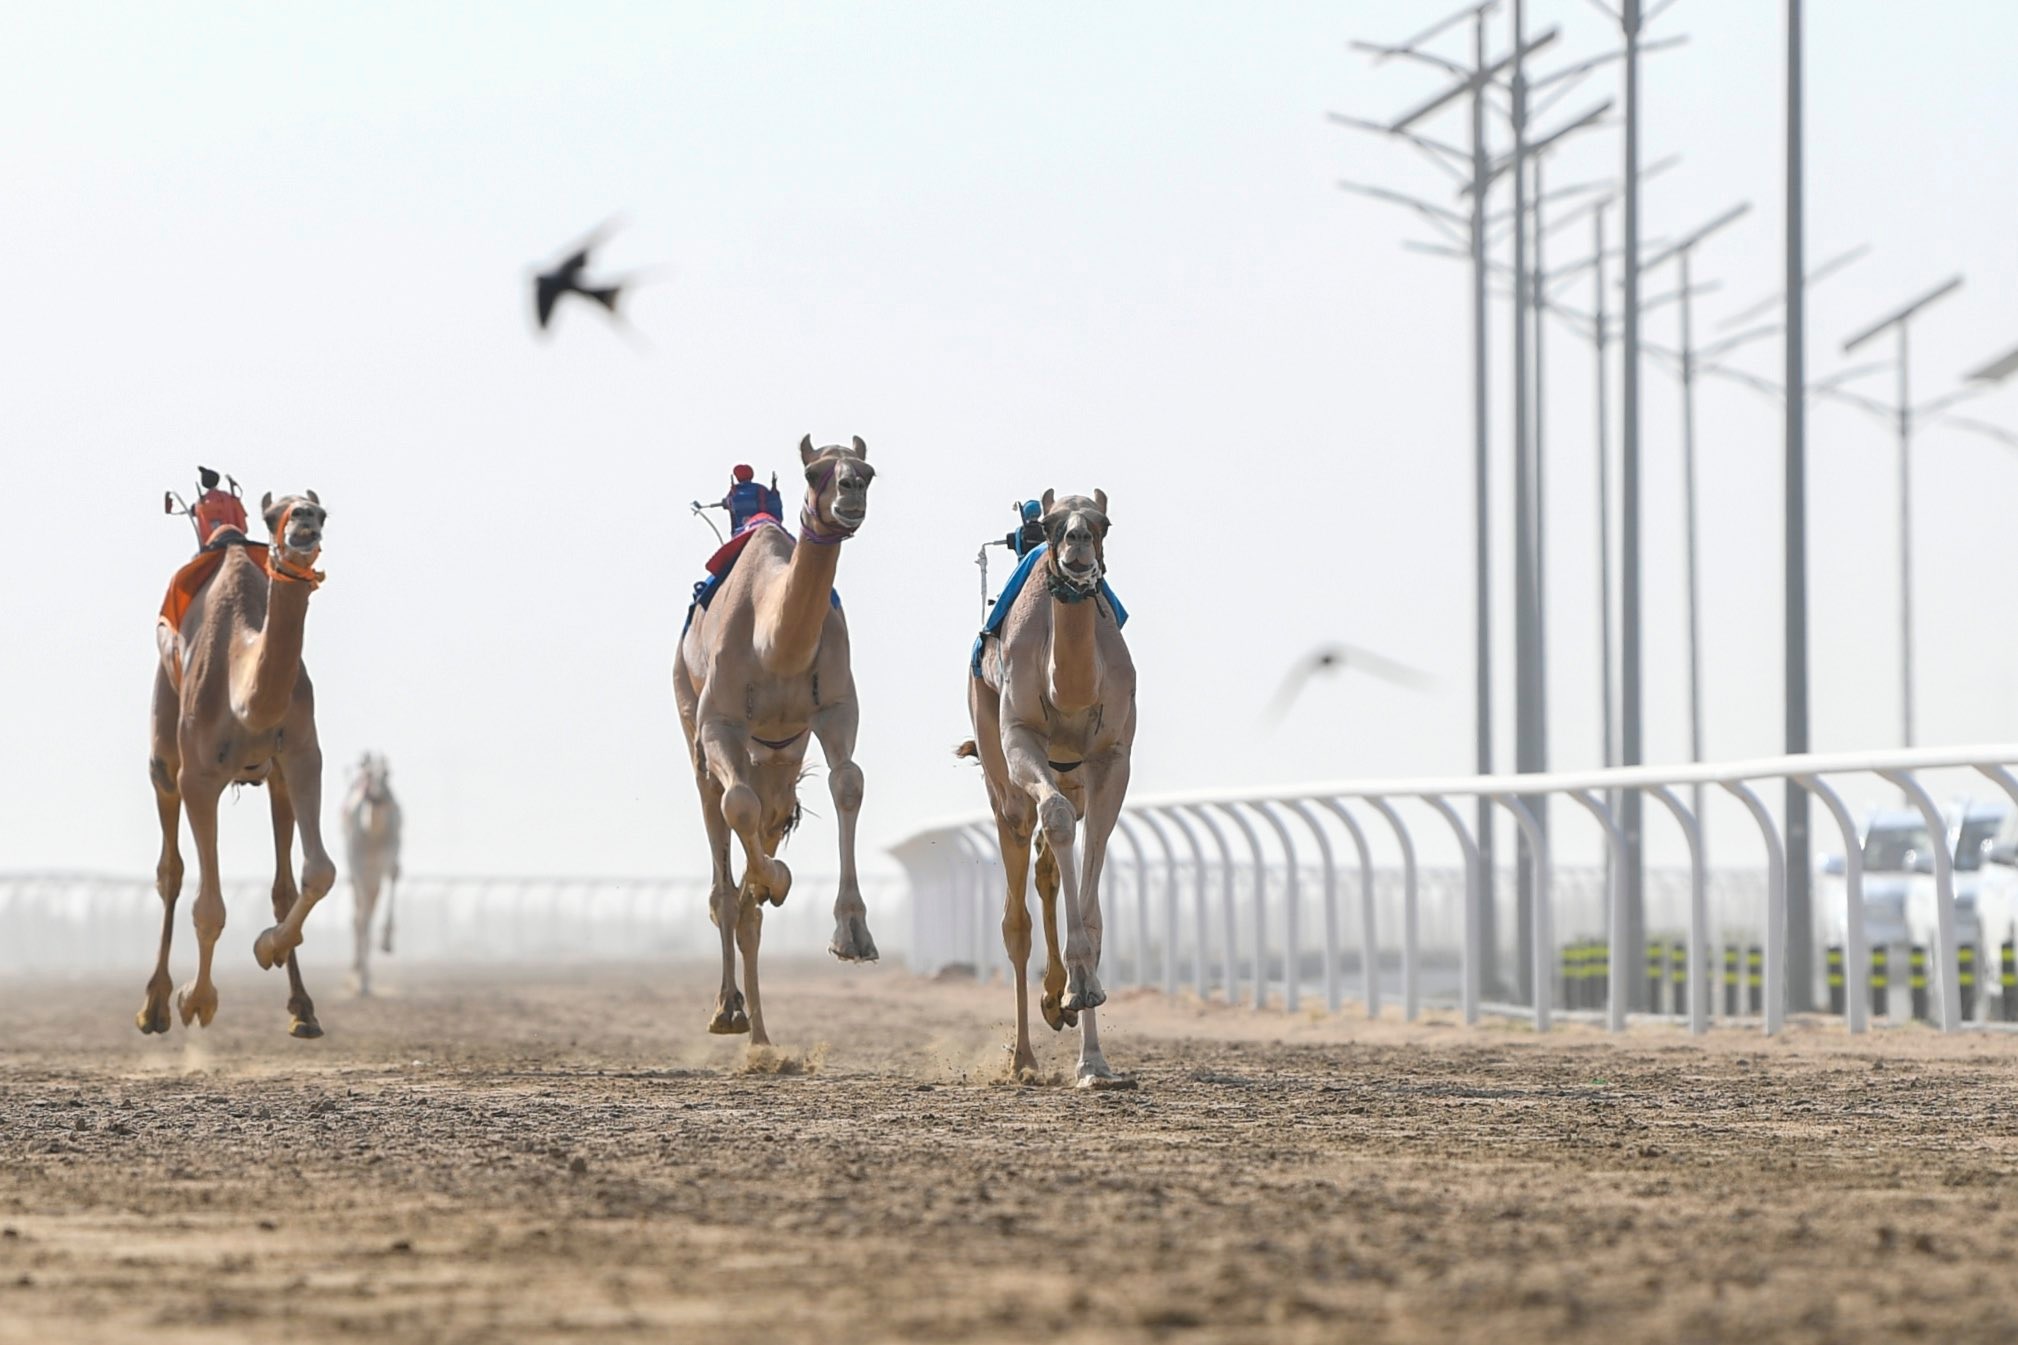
<point>1106,787</point>
<point>1016,935</point>
<point>749,934</point>
<point>724,903</point>
<point>300,1008</point>
<point>1029,770</point>
<point>364,900</point>
<point>303,768</point>
<point>835,728</point>
<point>162,766</point>
<point>726,747</point>
<point>391,887</point>
<point>197,1001</point>
<point>1053,1002</point>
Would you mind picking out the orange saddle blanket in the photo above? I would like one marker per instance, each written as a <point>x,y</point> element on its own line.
<point>190,579</point>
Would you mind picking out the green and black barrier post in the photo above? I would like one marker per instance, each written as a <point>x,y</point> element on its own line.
<point>1836,989</point>
<point>1965,979</point>
<point>1916,980</point>
<point>1881,983</point>
<point>1678,976</point>
<point>1755,978</point>
<point>2007,980</point>
<point>1657,968</point>
<point>1731,1008</point>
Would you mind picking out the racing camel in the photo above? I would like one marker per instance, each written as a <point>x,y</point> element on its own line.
<point>371,825</point>
<point>1052,698</point>
<point>762,664</point>
<point>233,705</point>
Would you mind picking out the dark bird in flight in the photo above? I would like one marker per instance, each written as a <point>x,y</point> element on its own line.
<point>1330,658</point>
<point>567,278</point>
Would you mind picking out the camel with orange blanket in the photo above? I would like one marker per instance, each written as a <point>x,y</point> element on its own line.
<point>233,705</point>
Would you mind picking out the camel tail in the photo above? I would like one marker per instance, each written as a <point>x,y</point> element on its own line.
<point>968,751</point>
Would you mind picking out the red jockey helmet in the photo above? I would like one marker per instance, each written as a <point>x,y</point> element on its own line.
<point>743,471</point>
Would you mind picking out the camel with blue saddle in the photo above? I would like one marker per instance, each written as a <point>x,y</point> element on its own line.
<point>762,668</point>
<point>1051,692</point>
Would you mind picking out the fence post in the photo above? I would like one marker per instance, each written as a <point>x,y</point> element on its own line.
<point>1140,962</point>
<point>1944,895</point>
<point>1332,994</point>
<point>1470,984</point>
<point>1857,956</point>
<point>1369,932</point>
<point>1544,916</point>
<point>1411,982</point>
<point>1615,841</point>
<point>1233,811</point>
<point>1148,816</point>
<point>1231,952</point>
<point>1178,820</point>
<point>1776,907</point>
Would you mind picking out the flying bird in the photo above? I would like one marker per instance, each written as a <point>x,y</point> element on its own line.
<point>568,278</point>
<point>1330,658</point>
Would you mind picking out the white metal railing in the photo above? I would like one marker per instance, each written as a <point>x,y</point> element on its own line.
<point>955,878</point>
<point>71,922</point>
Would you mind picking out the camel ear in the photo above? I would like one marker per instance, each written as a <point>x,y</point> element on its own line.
<point>806,451</point>
<point>861,449</point>
<point>1099,499</point>
<point>1047,501</point>
<point>266,502</point>
<point>313,498</point>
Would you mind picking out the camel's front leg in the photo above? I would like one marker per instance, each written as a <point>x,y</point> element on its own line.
<point>1106,787</point>
<point>725,744</point>
<point>197,1001</point>
<point>300,1008</point>
<point>1015,843</point>
<point>1030,771</point>
<point>364,906</point>
<point>302,766</point>
<point>153,1015</point>
<point>749,934</point>
<point>835,728</point>
<point>1053,1002</point>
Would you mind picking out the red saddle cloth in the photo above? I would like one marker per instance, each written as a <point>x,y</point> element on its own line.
<point>190,579</point>
<point>723,560</point>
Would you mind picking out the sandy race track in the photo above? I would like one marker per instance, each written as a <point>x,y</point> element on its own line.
<point>517,1156</point>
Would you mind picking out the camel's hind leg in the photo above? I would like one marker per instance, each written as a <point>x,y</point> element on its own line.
<point>725,747</point>
<point>1106,786</point>
<point>835,728</point>
<point>364,906</point>
<point>300,1008</point>
<point>162,766</point>
<point>302,766</point>
<point>1015,843</point>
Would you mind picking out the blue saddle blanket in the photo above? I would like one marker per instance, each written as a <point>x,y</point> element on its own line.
<point>1007,599</point>
<point>704,591</point>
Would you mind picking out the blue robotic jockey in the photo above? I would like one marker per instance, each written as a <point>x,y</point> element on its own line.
<point>748,502</point>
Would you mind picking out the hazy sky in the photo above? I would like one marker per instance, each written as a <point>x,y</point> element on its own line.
<point>1012,246</point>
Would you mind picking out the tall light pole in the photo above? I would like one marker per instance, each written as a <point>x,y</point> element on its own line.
<point>1800,978</point>
<point>1682,251</point>
<point>1900,323</point>
<point>1474,81</point>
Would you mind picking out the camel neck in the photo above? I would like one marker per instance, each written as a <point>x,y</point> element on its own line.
<point>1075,655</point>
<point>269,675</point>
<point>789,638</point>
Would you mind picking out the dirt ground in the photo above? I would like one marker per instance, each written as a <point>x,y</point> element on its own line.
<point>526,1156</point>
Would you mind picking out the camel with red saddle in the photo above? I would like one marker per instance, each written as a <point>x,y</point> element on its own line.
<point>233,705</point>
<point>763,664</point>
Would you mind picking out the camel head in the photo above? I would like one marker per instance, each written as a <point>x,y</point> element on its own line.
<point>373,783</point>
<point>294,522</point>
<point>837,490</point>
<point>1075,533</point>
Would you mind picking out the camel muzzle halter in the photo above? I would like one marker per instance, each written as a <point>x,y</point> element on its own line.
<point>278,564</point>
<point>1062,583</point>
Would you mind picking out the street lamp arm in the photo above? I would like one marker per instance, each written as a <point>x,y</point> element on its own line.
<point>1730,343</point>
<point>1826,269</point>
<point>1586,121</point>
<point>1586,66</point>
<point>1381,52</point>
<point>1946,287</point>
<point>1413,137</point>
<point>1449,21</point>
<point>1942,403</point>
<point>1707,287</point>
<point>1984,428</point>
<point>1687,241</point>
<point>1452,223</point>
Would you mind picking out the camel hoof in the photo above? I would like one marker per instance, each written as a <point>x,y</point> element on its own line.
<point>1105,1082</point>
<point>153,1016</point>
<point>851,942</point>
<point>1054,1013</point>
<point>730,1018</point>
<point>305,1028</point>
<point>1083,991</point>
<point>197,1002</point>
<point>266,949</point>
<point>780,885</point>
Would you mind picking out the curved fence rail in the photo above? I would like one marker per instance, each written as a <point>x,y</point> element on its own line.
<point>68,922</point>
<point>1218,891</point>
